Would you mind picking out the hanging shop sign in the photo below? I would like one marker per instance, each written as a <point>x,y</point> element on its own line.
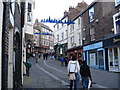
<point>42,33</point>
<point>49,20</point>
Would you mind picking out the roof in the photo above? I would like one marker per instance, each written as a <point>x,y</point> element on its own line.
<point>45,26</point>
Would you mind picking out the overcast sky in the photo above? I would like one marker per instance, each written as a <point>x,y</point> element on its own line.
<point>53,8</point>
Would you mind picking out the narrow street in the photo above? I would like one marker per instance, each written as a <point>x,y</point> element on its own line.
<point>50,74</point>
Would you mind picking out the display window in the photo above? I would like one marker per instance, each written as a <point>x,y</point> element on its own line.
<point>113,59</point>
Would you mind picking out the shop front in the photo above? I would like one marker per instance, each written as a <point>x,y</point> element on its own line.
<point>94,55</point>
<point>112,45</point>
<point>75,51</point>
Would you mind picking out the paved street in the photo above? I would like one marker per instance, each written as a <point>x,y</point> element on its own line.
<point>50,74</point>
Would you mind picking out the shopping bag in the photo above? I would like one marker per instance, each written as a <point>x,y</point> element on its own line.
<point>89,83</point>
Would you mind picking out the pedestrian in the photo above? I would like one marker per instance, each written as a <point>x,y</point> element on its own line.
<point>36,57</point>
<point>66,61</point>
<point>73,68</point>
<point>28,66</point>
<point>85,74</point>
<point>44,56</point>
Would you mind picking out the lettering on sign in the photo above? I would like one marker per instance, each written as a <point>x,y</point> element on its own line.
<point>116,40</point>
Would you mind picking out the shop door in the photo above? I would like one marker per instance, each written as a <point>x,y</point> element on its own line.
<point>101,59</point>
<point>113,59</point>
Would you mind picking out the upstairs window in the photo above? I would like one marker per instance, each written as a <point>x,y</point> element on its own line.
<point>91,14</point>
<point>79,23</point>
<point>57,37</point>
<point>29,14</point>
<point>117,2</point>
<point>62,36</point>
<point>71,28</point>
<point>92,33</point>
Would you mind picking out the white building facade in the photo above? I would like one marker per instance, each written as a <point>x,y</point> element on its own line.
<point>61,37</point>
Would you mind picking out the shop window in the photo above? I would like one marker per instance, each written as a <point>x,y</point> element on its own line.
<point>92,58</point>
<point>111,57</point>
<point>115,57</point>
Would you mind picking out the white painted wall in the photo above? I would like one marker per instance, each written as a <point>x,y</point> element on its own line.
<point>62,29</point>
<point>29,25</point>
<point>77,30</point>
<point>1,20</point>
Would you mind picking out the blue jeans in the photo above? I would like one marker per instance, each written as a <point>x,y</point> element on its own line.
<point>71,84</point>
<point>75,83</point>
<point>85,81</point>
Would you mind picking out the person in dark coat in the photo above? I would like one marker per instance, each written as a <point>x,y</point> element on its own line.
<point>44,56</point>
<point>85,74</point>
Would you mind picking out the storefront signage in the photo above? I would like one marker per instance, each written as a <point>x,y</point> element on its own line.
<point>93,46</point>
<point>49,20</point>
<point>113,41</point>
<point>116,40</point>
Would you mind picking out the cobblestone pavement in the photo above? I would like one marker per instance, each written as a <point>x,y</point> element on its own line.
<point>51,74</point>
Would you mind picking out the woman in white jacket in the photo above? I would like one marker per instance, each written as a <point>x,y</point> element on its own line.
<point>73,68</point>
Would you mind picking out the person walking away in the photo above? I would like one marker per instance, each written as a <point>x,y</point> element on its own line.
<point>44,56</point>
<point>73,68</point>
<point>66,61</point>
<point>36,57</point>
<point>85,74</point>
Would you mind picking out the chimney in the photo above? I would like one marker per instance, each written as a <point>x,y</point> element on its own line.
<point>65,13</point>
<point>71,9</point>
<point>81,5</point>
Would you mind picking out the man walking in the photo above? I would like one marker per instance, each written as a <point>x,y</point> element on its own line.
<point>85,73</point>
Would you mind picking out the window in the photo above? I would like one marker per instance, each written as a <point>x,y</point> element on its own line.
<point>29,14</point>
<point>57,37</point>
<point>62,36</point>
<point>92,34</point>
<point>117,2</point>
<point>91,14</point>
<point>79,38</point>
<point>66,33</point>
<point>79,22</point>
<point>72,40</point>
<point>58,26</point>
<point>118,28</point>
<point>71,28</point>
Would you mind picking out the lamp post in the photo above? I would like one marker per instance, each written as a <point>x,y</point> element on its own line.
<point>28,49</point>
